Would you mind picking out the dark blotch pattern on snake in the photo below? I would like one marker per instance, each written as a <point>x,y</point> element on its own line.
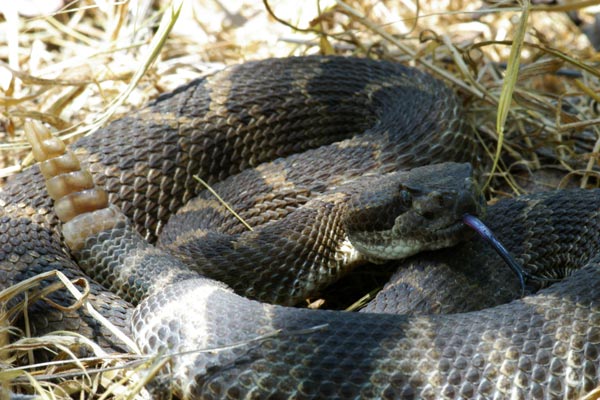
<point>542,346</point>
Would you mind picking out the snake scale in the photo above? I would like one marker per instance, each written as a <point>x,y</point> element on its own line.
<point>370,119</point>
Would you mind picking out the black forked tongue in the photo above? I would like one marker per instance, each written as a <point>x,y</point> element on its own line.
<point>478,226</point>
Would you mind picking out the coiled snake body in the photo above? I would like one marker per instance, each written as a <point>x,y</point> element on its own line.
<point>543,346</point>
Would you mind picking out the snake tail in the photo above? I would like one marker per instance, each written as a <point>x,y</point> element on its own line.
<point>88,218</point>
<point>79,204</point>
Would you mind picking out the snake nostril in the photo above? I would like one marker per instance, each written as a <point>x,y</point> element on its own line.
<point>437,199</point>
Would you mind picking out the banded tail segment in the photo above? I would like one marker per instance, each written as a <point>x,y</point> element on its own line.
<point>81,206</point>
<point>105,244</point>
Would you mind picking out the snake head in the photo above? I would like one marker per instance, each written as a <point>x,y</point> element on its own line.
<point>403,213</point>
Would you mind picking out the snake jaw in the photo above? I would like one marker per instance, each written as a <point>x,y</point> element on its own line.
<point>386,245</point>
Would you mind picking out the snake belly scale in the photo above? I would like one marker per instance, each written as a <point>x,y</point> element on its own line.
<point>544,346</point>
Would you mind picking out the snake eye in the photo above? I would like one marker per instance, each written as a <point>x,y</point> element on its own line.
<point>406,197</point>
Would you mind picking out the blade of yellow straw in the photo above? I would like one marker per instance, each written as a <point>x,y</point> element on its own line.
<point>220,199</point>
<point>510,79</point>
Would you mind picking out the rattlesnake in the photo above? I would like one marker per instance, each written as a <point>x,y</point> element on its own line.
<point>542,346</point>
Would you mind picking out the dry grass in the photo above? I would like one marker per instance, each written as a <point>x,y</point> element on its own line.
<point>88,62</point>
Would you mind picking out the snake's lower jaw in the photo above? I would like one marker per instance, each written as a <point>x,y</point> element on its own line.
<point>382,246</point>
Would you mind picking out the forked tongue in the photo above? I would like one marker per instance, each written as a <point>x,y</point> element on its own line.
<point>478,226</point>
